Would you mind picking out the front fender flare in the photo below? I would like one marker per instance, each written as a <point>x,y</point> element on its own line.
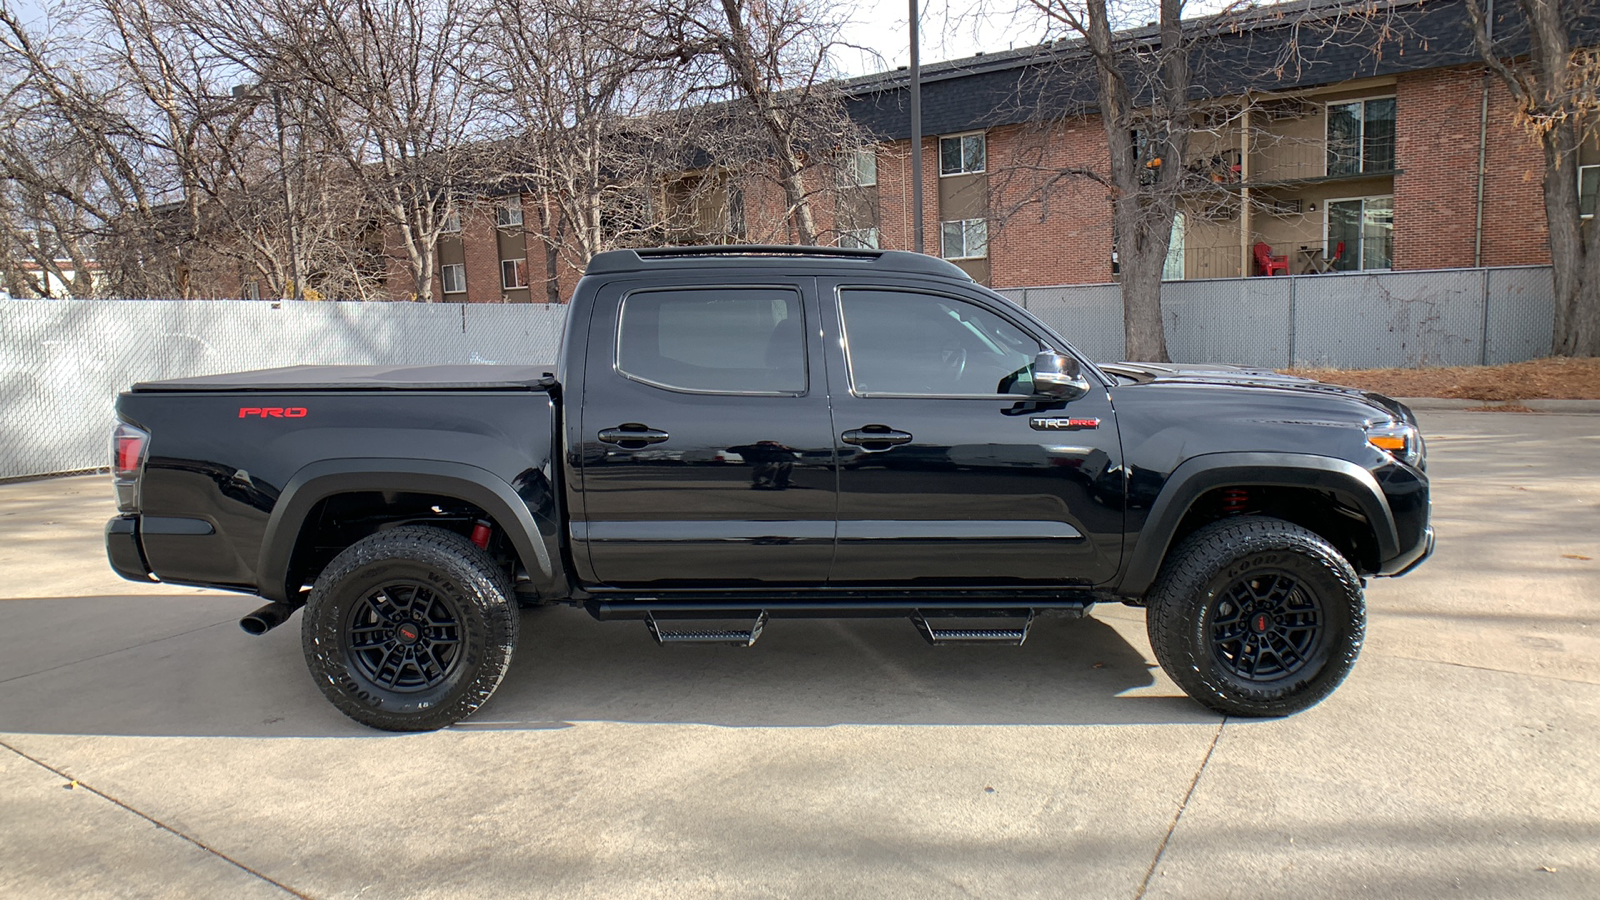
<point>1213,470</point>
<point>323,479</point>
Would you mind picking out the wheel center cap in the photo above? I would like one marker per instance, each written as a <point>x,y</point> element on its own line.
<point>407,633</point>
<point>1260,622</point>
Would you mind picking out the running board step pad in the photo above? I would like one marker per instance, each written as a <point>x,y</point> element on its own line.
<point>1006,630</point>
<point>700,631</point>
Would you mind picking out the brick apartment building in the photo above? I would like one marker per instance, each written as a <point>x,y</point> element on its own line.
<point>1408,159</point>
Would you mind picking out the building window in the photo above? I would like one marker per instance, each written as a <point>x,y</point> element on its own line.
<point>859,168</point>
<point>509,213</point>
<point>513,273</point>
<point>1588,186</point>
<point>453,277</point>
<point>452,221</point>
<point>961,155</point>
<point>1361,136</point>
<point>736,225</point>
<point>1172,267</point>
<point>965,239</point>
<point>859,239</point>
<point>1365,225</point>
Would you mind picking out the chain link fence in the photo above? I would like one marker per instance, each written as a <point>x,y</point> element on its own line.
<point>63,362</point>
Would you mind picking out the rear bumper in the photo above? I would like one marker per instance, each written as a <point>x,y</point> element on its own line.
<point>122,549</point>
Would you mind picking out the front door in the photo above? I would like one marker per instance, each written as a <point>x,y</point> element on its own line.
<point>950,471</point>
<point>707,452</point>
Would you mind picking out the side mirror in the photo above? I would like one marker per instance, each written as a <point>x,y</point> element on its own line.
<point>1059,376</point>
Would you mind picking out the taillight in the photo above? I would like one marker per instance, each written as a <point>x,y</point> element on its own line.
<point>128,448</point>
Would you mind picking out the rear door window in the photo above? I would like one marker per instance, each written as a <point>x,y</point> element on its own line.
<point>734,340</point>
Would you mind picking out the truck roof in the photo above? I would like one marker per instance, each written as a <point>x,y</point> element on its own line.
<point>770,256</point>
<point>365,378</point>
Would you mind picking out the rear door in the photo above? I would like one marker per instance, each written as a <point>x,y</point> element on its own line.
<point>707,451</point>
<point>950,471</point>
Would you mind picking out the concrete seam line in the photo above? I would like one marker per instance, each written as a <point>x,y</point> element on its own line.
<point>1162,847</point>
<point>1461,665</point>
<point>114,652</point>
<point>156,822</point>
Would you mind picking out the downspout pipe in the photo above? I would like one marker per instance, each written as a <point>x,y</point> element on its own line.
<point>1483,142</point>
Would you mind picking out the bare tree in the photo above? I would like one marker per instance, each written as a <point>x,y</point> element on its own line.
<point>137,152</point>
<point>773,56</point>
<point>1555,81</point>
<point>382,82</point>
<point>1142,83</point>
<point>261,194</point>
<point>578,88</point>
<point>73,154</point>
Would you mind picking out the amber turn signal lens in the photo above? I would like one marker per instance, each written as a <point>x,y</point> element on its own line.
<point>1392,443</point>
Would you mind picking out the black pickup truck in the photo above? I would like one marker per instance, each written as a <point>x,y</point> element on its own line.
<point>737,434</point>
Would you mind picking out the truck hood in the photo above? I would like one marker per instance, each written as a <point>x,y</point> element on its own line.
<point>1249,378</point>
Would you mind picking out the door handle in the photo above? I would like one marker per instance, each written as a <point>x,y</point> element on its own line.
<point>632,436</point>
<point>875,437</point>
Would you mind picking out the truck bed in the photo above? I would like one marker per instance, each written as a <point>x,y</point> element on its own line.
<point>364,378</point>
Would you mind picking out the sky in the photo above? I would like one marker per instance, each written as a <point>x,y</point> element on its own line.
<point>949,31</point>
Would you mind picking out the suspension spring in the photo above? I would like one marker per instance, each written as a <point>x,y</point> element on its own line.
<point>1234,501</point>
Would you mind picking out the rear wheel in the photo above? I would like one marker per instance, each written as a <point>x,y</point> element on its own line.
<point>410,629</point>
<point>1255,616</point>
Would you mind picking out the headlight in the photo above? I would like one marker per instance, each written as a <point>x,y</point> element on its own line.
<point>1398,439</point>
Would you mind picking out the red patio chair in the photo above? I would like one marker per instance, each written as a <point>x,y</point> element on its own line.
<point>1267,264</point>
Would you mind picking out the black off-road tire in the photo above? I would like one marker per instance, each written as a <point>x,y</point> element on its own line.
<point>1218,633</point>
<point>410,629</point>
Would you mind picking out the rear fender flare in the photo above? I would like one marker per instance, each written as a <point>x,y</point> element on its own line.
<point>1200,474</point>
<point>321,480</point>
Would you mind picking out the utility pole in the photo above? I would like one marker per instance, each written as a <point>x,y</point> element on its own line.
<point>297,284</point>
<point>916,136</point>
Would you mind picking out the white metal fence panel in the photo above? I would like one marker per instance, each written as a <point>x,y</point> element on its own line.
<point>1520,314</point>
<point>1245,321</point>
<point>1344,321</point>
<point>1362,321</point>
<point>1087,315</point>
<point>63,362</point>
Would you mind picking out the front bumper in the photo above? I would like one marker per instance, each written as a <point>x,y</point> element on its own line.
<point>122,549</point>
<point>1412,558</point>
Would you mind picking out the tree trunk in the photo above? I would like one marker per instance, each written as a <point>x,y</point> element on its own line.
<point>1543,84</point>
<point>1142,230</point>
<point>1142,257</point>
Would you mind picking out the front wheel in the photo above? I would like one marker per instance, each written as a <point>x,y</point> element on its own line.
<point>1255,616</point>
<point>410,629</point>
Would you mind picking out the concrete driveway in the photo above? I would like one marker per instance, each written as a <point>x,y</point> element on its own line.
<point>150,748</point>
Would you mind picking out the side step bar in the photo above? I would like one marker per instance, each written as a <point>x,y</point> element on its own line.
<point>685,631</point>
<point>937,627</point>
<point>1004,630</point>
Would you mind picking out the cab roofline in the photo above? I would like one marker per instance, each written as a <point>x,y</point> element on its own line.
<point>745,256</point>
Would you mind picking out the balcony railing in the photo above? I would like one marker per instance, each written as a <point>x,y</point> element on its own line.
<point>1234,261</point>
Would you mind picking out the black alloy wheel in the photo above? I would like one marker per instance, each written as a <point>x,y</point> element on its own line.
<point>1265,627</point>
<point>1255,616</point>
<point>410,629</point>
<point>405,636</point>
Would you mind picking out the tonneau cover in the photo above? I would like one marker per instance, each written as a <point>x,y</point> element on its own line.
<point>365,378</point>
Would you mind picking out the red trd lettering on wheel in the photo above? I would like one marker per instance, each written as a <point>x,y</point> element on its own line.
<point>272,412</point>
